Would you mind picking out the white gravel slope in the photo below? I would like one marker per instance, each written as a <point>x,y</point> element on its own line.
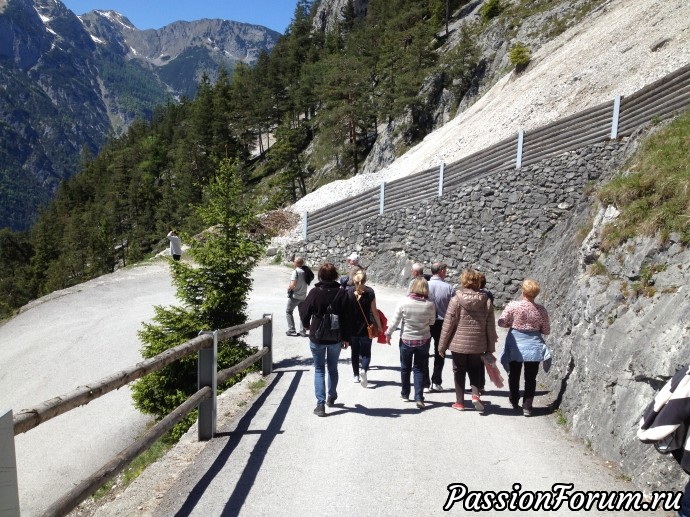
<point>606,55</point>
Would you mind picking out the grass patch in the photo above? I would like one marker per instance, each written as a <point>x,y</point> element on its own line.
<point>153,454</point>
<point>257,386</point>
<point>561,419</point>
<point>137,467</point>
<point>597,269</point>
<point>654,197</point>
<point>278,257</point>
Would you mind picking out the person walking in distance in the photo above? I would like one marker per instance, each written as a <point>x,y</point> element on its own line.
<point>175,245</point>
<point>417,271</point>
<point>297,292</point>
<point>440,293</point>
<point>327,334</point>
<point>490,295</point>
<point>352,267</point>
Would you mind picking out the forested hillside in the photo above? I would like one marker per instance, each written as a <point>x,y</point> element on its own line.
<point>307,113</point>
<point>68,82</point>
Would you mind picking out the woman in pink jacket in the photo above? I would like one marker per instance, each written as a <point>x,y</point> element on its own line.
<point>469,330</point>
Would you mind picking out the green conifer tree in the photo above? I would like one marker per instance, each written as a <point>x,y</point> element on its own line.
<point>213,291</point>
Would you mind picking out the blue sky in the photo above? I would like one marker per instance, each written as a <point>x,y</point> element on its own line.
<point>154,14</point>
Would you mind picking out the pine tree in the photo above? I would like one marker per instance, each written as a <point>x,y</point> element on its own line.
<point>213,291</point>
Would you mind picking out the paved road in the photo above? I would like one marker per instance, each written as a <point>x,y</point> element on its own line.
<point>373,454</point>
<point>65,340</point>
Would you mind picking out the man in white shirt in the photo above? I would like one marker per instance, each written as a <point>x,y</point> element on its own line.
<point>175,245</point>
<point>297,292</point>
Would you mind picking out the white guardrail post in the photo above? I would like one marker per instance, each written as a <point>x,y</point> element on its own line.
<point>382,197</point>
<point>440,179</point>
<point>521,140</point>
<point>305,218</point>
<point>207,376</point>
<point>616,116</point>
<point>9,487</point>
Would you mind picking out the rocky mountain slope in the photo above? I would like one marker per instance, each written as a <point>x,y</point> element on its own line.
<point>68,81</point>
<point>613,345</point>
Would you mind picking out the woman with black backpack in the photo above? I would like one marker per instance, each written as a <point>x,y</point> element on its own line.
<point>327,313</point>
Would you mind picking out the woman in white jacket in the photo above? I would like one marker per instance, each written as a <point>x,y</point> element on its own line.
<point>417,314</point>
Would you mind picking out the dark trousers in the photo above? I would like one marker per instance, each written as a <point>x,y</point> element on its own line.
<point>470,364</point>
<point>438,360</point>
<point>685,502</point>
<point>531,370</point>
<point>360,347</point>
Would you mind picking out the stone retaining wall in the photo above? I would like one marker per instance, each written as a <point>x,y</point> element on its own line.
<point>494,224</point>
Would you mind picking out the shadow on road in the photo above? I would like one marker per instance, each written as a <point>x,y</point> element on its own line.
<point>256,458</point>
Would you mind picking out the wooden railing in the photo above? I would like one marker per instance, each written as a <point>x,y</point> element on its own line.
<point>206,344</point>
<point>607,121</point>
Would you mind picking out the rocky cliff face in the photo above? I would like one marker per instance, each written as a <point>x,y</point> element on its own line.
<point>620,330</point>
<point>329,13</point>
<point>66,83</point>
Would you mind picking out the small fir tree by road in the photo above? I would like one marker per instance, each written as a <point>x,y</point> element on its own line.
<point>213,291</point>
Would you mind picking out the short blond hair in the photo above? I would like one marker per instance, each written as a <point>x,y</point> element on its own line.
<point>530,288</point>
<point>471,279</point>
<point>420,286</point>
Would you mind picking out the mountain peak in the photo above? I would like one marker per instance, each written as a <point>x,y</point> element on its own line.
<point>115,18</point>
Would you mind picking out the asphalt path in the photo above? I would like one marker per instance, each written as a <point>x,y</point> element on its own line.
<point>68,339</point>
<point>373,454</point>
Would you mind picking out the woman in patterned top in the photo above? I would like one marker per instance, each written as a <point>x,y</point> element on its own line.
<point>528,322</point>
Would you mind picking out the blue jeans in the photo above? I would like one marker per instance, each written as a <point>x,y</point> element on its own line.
<point>361,351</point>
<point>323,355</point>
<point>415,359</point>
<point>685,502</point>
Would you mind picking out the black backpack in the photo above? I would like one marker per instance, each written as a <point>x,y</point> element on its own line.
<point>308,274</point>
<point>329,327</point>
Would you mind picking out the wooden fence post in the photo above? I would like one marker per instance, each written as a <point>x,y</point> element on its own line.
<point>521,140</point>
<point>440,179</point>
<point>382,197</point>
<point>616,116</point>
<point>207,376</point>
<point>267,360</point>
<point>9,487</point>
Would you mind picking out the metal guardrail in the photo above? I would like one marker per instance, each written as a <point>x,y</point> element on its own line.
<point>607,121</point>
<point>206,344</point>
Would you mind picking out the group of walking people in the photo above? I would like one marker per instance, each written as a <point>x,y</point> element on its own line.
<point>461,321</point>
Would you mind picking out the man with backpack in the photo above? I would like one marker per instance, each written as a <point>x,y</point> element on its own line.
<point>297,292</point>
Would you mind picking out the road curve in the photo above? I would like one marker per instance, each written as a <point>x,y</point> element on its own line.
<point>64,340</point>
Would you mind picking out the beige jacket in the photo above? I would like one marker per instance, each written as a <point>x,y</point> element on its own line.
<point>469,326</point>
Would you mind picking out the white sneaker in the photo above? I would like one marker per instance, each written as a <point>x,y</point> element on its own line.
<point>355,378</point>
<point>436,387</point>
<point>363,378</point>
